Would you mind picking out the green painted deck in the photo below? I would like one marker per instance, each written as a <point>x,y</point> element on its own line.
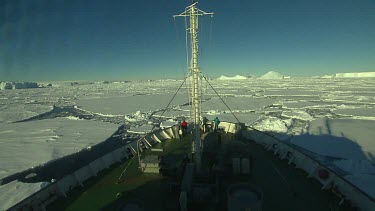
<point>290,191</point>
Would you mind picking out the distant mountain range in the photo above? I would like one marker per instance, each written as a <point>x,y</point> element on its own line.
<point>237,77</point>
<point>277,76</point>
<point>351,75</point>
<point>269,75</point>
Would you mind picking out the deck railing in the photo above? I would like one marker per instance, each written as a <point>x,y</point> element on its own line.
<point>40,199</point>
<point>310,165</point>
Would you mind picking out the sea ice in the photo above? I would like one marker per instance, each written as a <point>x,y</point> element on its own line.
<point>332,117</point>
<point>342,138</point>
<point>122,105</point>
<point>27,144</point>
<point>16,112</point>
<point>272,124</point>
<point>355,75</point>
<point>364,182</point>
<point>14,192</point>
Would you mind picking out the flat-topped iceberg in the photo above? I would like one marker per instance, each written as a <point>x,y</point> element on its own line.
<point>351,75</point>
<point>18,85</point>
<point>355,75</point>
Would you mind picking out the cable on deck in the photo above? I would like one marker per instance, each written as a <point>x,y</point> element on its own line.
<point>220,98</point>
<point>166,108</point>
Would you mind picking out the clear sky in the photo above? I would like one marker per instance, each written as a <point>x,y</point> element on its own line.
<point>138,39</point>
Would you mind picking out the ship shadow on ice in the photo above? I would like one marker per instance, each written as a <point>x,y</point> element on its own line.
<point>68,111</point>
<point>60,167</point>
<point>329,146</point>
<point>325,146</point>
<point>371,157</point>
<point>71,111</point>
<point>58,112</point>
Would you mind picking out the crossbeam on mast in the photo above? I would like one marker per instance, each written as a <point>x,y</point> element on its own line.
<point>199,12</point>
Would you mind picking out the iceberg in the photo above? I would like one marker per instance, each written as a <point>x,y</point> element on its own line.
<point>355,75</point>
<point>237,77</point>
<point>18,85</point>
<point>272,75</point>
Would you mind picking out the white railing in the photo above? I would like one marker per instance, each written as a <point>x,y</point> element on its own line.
<point>312,167</point>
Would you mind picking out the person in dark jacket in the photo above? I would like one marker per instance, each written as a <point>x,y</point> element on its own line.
<point>204,124</point>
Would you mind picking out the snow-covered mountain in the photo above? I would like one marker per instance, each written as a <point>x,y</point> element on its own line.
<point>272,75</point>
<point>237,77</point>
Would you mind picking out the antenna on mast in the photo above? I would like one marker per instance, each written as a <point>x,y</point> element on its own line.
<point>193,13</point>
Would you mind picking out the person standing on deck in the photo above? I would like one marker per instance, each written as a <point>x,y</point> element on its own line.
<point>216,123</point>
<point>179,129</point>
<point>183,126</point>
<point>204,124</point>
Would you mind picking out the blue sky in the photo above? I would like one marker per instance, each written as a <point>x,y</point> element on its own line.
<point>127,40</point>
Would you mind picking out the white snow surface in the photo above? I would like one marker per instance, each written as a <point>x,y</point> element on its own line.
<point>272,124</point>
<point>296,114</point>
<point>272,75</point>
<point>14,192</point>
<point>143,129</point>
<point>27,144</point>
<point>228,117</point>
<point>357,112</point>
<point>237,77</point>
<point>349,139</point>
<point>248,103</point>
<point>341,138</point>
<point>363,181</point>
<point>356,167</point>
<point>16,112</point>
<point>121,105</point>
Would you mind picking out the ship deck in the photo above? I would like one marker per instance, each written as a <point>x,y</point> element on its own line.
<point>283,186</point>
